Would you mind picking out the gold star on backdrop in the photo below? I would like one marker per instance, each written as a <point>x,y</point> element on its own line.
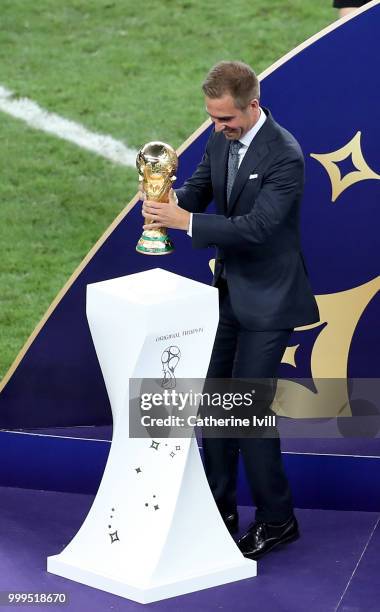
<point>290,355</point>
<point>329,162</point>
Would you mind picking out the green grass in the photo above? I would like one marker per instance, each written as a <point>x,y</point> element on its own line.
<point>131,70</point>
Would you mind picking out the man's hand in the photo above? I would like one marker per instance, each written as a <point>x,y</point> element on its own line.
<point>165,214</point>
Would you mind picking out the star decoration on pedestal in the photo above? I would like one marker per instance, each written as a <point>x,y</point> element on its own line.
<point>138,470</point>
<point>330,161</point>
<point>155,506</point>
<point>172,454</point>
<point>154,445</point>
<point>114,537</point>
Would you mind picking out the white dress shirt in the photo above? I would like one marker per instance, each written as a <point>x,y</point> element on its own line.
<point>245,142</point>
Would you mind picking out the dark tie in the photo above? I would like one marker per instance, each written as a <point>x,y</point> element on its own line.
<point>233,165</point>
<point>232,170</point>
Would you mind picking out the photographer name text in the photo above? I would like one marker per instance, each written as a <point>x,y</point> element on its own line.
<point>207,421</point>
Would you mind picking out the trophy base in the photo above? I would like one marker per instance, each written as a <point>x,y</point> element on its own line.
<point>155,245</point>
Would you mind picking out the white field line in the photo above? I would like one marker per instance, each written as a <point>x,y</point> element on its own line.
<point>40,119</point>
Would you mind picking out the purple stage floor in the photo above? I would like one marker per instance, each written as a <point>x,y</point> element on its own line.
<point>333,567</point>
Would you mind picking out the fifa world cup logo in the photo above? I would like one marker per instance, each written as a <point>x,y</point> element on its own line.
<point>170,359</point>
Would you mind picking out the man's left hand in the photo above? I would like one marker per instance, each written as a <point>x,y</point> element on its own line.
<point>166,214</point>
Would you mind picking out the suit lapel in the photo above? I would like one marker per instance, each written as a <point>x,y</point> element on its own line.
<point>221,156</point>
<point>257,150</point>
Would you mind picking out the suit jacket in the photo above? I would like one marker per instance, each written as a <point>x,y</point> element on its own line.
<point>257,235</point>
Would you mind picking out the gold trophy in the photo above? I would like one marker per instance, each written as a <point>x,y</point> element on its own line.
<point>156,163</point>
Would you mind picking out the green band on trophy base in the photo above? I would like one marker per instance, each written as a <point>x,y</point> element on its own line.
<point>154,245</point>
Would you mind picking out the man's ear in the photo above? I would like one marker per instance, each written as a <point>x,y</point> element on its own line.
<point>254,104</point>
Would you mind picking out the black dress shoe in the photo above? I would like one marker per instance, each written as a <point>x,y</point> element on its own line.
<point>263,537</point>
<point>231,521</point>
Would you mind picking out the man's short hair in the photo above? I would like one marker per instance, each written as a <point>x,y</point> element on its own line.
<point>234,78</point>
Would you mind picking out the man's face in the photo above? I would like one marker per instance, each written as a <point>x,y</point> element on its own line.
<point>227,118</point>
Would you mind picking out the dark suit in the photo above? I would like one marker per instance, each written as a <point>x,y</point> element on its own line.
<point>265,295</point>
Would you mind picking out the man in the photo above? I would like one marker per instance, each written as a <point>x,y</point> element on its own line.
<point>254,171</point>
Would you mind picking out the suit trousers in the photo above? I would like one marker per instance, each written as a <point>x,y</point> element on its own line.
<point>242,353</point>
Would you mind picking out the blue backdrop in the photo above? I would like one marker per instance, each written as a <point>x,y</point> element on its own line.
<point>327,95</point>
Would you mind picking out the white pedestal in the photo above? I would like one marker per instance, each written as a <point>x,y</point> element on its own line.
<point>153,530</point>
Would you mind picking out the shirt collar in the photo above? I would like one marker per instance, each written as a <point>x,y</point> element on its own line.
<point>249,136</point>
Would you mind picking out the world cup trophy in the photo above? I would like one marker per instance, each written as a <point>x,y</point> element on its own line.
<point>156,163</point>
